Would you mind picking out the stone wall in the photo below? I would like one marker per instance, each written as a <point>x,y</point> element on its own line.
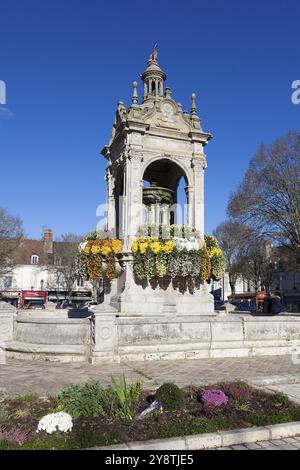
<point>191,337</point>
<point>109,336</point>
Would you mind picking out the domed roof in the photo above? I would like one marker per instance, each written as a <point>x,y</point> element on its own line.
<point>153,66</point>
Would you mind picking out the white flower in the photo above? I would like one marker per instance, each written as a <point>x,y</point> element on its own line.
<point>82,246</point>
<point>55,422</point>
<point>188,244</point>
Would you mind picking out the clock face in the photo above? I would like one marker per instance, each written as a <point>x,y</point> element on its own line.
<point>168,112</point>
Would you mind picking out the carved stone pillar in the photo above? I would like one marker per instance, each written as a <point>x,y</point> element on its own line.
<point>104,334</point>
<point>111,209</point>
<point>133,199</point>
<point>198,199</point>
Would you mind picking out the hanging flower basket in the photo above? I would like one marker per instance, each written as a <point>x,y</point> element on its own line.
<point>98,257</point>
<point>183,255</point>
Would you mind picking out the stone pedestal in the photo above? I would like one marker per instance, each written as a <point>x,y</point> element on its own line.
<point>157,296</point>
<point>104,334</point>
<point>7,314</point>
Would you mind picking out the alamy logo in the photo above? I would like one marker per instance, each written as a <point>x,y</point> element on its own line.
<point>2,92</point>
<point>296,94</point>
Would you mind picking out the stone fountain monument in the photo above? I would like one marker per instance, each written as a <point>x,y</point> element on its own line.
<point>157,143</point>
<point>153,145</point>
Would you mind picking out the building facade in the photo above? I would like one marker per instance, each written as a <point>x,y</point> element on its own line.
<point>36,274</point>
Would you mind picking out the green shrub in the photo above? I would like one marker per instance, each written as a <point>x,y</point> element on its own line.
<point>91,399</point>
<point>280,398</point>
<point>81,401</point>
<point>171,397</point>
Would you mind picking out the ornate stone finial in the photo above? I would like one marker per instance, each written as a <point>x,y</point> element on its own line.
<point>153,55</point>
<point>168,92</point>
<point>194,109</point>
<point>135,94</point>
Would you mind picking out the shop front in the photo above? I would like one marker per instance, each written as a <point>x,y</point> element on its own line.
<point>11,297</point>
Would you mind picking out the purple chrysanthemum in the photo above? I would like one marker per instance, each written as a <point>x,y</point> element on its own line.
<point>214,397</point>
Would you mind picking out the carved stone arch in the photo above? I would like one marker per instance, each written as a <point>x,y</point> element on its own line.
<point>187,173</point>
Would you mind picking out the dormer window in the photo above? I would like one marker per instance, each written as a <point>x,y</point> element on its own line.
<point>34,259</point>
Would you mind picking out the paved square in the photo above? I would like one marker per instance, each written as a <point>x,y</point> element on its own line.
<point>48,378</point>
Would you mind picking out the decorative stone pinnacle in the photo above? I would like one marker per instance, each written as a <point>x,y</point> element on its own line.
<point>135,94</point>
<point>194,109</point>
<point>168,92</point>
<point>153,55</point>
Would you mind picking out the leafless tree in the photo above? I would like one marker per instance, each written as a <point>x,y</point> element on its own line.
<point>65,260</point>
<point>232,237</point>
<point>11,235</point>
<point>258,265</point>
<point>268,199</point>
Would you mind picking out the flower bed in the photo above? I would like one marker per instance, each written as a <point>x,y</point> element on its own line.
<point>90,415</point>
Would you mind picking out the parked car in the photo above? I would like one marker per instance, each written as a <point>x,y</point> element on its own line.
<point>68,305</point>
<point>90,305</point>
<point>243,306</point>
<point>35,305</point>
<point>218,304</point>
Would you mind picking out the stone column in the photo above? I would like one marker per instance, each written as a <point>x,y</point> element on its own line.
<point>189,191</point>
<point>111,210</point>
<point>198,199</point>
<point>134,198</point>
<point>104,334</point>
<point>165,210</point>
<point>157,213</point>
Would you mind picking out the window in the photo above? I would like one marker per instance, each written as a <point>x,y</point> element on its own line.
<point>34,259</point>
<point>8,282</point>
<point>80,282</point>
<point>57,260</point>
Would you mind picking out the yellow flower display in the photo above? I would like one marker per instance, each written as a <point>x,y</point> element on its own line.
<point>116,246</point>
<point>168,247</point>
<point>135,247</point>
<point>99,257</point>
<point>216,251</point>
<point>143,247</point>
<point>155,247</point>
<point>105,250</point>
<point>95,249</point>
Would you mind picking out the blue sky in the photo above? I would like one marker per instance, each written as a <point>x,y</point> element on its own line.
<point>67,63</point>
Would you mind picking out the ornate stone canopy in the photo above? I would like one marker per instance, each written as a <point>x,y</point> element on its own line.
<point>158,143</point>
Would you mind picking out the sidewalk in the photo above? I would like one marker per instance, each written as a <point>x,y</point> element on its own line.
<point>290,443</point>
<point>48,378</point>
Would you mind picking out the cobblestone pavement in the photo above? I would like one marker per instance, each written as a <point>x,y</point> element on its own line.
<point>289,443</point>
<point>48,378</point>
